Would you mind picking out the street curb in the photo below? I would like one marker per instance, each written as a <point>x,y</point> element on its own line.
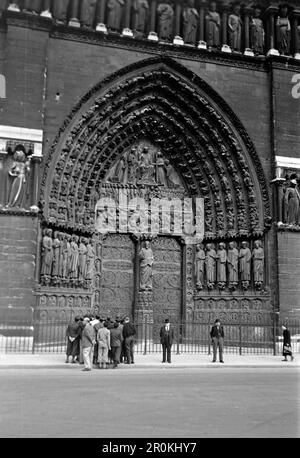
<point>202,366</point>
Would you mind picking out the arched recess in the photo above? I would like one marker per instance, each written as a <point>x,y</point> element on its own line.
<point>159,100</point>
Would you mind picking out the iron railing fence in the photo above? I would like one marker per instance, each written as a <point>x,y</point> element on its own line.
<point>35,336</point>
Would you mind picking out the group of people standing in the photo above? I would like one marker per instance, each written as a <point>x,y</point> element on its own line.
<point>95,341</point>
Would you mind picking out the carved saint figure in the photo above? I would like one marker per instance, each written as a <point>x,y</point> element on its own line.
<point>47,253</point>
<point>200,265</point>
<point>131,166</point>
<point>60,9</point>
<point>221,263</point>
<point>165,13</point>
<point>87,12</point>
<point>161,172</point>
<point>213,24</point>
<point>140,15</point>
<point>245,260</point>
<point>190,22</point>
<point>235,29</point>
<point>283,31</point>
<point>82,258</point>
<point>73,266</point>
<point>258,263</point>
<point>146,267</point>
<point>292,204</point>
<point>257,32</point>
<point>66,254</point>
<point>115,12</point>
<point>120,170</point>
<point>56,256</point>
<point>232,258</point>
<point>90,260</point>
<point>18,172</point>
<point>210,265</point>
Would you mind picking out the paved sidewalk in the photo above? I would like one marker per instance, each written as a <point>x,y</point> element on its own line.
<point>57,361</point>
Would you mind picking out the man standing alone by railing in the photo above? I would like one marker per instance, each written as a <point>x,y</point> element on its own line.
<point>73,339</point>
<point>217,337</point>
<point>128,336</point>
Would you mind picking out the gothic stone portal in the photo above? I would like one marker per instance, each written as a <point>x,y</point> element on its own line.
<point>155,129</point>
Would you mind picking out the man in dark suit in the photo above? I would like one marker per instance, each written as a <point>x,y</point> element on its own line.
<point>217,337</point>
<point>116,339</point>
<point>166,340</point>
<point>73,334</point>
<point>129,332</point>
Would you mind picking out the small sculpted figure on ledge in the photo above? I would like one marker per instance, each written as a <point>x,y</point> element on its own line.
<point>213,24</point>
<point>283,31</point>
<point>235,29</point>
<point>257,33</point>
<point>190,22</point>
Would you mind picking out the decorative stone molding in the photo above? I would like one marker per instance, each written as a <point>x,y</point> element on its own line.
<point>204,144</point>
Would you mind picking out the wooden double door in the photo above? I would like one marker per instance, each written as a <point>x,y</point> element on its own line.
<point>119,282</point>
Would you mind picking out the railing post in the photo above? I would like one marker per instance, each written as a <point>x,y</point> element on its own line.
<point>209,341</point>
<point>178,334</point>
<point>240,339</point>
<point>145,331</point>
<point>274,333</point>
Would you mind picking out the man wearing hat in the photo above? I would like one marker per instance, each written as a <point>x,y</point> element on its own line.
<point>166,340</point>
<point>88,341</point>
<point>217,337</point>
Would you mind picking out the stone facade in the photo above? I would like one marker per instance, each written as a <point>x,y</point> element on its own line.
<point>89,114</point>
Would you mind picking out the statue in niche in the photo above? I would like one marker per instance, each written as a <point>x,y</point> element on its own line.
<point>221,265</point>
<point>66,258</point>
<point>292,203</point>
<point>61,237</point>
<point>245,262</point>
<point>235,29</point>
<point>161,177</point>
<point>32,6</point>
<point>115,14</point>
<point>146,267</point>
<point>257,32</point>
<point>258,264</point>
<point>190,22</point>
<point>165,13</point>
<point>47,257</point>
<point>200,266</point>
<point>232,262</point>
<point>210,265</point>
<point>213,24</point>
<point>18,172</point>
<point>120,172</point>
<point>283,31</point>
<point>82,258</point>
<point>87,12</point>
<point>90,260</point>
<point>131,165</point>
<point>73,266</point>
<point>140,15</point>
<point>146,168</point>
<point>56,258</point>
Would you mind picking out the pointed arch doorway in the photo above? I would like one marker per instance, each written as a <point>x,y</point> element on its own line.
<point>196,147</point>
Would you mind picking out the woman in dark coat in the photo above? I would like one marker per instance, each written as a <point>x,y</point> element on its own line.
<point>287,348</point>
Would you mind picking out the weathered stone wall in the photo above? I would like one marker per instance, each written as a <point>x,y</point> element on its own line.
<point>18,247</point>
<point>289,272</point>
